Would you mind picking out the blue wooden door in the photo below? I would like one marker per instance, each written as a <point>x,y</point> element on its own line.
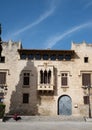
<point>65,105</point>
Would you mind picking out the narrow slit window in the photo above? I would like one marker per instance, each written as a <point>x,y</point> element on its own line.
<point>41,77</point>
<point>45,77</point>
<point>49,76</point>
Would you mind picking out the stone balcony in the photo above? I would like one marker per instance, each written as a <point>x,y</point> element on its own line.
<point>45,87</point>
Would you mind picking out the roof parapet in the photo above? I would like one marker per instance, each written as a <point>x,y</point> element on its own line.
<point>84,44</point>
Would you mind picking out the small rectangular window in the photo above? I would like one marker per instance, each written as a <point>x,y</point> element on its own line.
<point>26,79</point>
<point>64,79</point>
<point>85,59</point>
<point>2,59</point>
<point>25,97</point>
<point>86,99</point>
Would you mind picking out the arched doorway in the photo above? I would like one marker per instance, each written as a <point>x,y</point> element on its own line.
<point>64,105</point>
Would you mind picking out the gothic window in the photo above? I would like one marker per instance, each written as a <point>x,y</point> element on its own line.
<point>45,77</point>
<point>41,77</point>
<point>86,79</point>
<point>2,77</point>
<point>64,79</point>
<point>25,97</point>
<point>26,78</point>
<point>49,76</point>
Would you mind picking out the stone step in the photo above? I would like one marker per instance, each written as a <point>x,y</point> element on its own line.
<point>48,118</point>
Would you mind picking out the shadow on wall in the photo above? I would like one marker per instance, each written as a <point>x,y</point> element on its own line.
<point>24,99</point>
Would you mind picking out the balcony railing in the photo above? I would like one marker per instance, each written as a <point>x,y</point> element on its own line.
<point>46,87</point>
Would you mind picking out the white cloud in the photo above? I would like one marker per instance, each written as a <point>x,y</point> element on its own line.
<point>88,5</point>
<point>55,39</point>
<point>38,21</point>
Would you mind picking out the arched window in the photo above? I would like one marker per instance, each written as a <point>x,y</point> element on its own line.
<point>45,77</point>
<point>41,77</point>
<point>49,76</point>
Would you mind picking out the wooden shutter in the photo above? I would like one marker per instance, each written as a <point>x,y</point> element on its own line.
<point>64,79</point>
<point>86,79</point>
<point>2,77</point>
<point>86,99</point>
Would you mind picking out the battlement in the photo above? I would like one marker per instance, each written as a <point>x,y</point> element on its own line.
<point>81,46</point>
<point>12,45</point>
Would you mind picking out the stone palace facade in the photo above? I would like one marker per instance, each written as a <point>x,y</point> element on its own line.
<point>46,82</point>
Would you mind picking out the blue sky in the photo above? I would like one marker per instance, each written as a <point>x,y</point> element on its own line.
<point>40,24</point>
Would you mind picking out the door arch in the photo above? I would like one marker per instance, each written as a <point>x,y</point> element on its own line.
<point>64,105</point>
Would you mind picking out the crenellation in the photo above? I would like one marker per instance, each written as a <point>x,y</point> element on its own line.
<point>12,45</point>
<point>81,46</point>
